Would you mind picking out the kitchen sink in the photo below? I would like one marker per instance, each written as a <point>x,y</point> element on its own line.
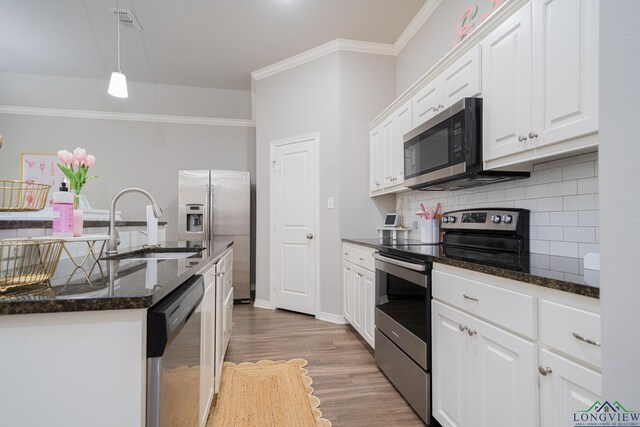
<point>156,253</point>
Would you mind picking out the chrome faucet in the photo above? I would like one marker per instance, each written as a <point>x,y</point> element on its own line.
<point>112,248</point>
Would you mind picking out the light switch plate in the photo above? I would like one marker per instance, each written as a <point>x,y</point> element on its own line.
<point>330,202</point>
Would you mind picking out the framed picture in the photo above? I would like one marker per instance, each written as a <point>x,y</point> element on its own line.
<point>43,169</point>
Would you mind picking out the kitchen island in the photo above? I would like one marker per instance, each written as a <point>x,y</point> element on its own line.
<point>76,355</point>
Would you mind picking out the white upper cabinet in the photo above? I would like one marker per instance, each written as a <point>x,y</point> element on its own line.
<point>460,80</point>
<point>374,160</point>
<point>402,120</point>
<point>426,103</point>
<point>506,75</point>
<point>387,152</point>
<point>540,81</point>
<point>565,69</point>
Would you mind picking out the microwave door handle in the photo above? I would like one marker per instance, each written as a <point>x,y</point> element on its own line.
<point>409,265</point>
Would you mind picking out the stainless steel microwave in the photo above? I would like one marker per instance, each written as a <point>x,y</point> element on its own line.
<point>445,153</point>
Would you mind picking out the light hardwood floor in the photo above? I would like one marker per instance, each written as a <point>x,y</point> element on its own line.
<point>352,390</point>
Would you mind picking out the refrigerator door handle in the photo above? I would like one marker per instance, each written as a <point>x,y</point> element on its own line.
<point>211,211</point>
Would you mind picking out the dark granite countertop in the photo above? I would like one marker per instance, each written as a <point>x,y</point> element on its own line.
<point>123,283</point>
<point>435,253</point>
<point>44,223</point>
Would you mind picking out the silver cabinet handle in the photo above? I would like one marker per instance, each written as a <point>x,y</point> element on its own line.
<point>463,328</point>
<point>544,371</point>
<point>440,106</point>
<point>348,269</point>
<point>361,259</point>
<point>346,253</point>
<point>533,135</point>
<point>471,332</point>
<point>220,274</point>
<point>587,340</point>
<point>309,236</point>
<point>522,138</point>
<point>470,298</point>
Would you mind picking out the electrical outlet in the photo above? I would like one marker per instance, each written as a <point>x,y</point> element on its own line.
<point>330,203</point>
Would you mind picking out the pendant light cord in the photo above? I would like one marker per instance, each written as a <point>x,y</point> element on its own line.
<point>118,24</point>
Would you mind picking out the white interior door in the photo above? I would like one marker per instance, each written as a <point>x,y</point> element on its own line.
<point>293,224</point>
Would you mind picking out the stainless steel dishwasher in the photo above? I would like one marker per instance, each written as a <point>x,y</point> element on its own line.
<point>173,357</point>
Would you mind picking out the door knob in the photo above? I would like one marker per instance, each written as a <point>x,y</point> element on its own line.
<point>309,236</point>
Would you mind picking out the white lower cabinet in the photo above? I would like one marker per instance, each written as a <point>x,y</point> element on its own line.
<point>532,360</point>
<point>224,305</point>
<point>482,375</point>
<point>207,348</point>
<point>358,290</point>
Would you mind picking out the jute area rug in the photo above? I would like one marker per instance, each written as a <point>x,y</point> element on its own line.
<point>267,393</point>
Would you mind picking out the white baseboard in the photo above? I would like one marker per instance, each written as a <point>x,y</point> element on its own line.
<point>262,303</point>
<point>332,318</point>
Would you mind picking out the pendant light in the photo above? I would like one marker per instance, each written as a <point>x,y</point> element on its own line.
<point>118,82</point>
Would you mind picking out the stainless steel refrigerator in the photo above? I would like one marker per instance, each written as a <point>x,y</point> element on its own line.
<point>217,204</point>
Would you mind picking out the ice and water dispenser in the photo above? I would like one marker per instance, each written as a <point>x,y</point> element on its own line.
<point>195,218</point>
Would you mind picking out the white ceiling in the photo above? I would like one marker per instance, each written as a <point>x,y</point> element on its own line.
<point>206,43</point>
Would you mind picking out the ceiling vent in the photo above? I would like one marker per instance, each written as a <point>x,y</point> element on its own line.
<point>127,19</point>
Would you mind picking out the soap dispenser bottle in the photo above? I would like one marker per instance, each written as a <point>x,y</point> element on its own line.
<point>63,212</point>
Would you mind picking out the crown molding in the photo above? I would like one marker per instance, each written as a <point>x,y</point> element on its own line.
<point>134,117</point>
<point>336,45</point>
<point>416,23</point>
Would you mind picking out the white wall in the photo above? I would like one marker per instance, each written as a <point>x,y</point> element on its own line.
<point>366,88</point>
<point>434,39</point>
<point>129,153</point>
<point>620,190</point>
<point>562,196</point>
<point>296,102</point>
<point>314,98</point>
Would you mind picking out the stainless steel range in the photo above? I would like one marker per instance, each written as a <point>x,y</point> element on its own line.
<point>489,236</point>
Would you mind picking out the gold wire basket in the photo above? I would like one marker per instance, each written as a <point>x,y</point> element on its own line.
<point>27,262</point>
<point>20,196</point>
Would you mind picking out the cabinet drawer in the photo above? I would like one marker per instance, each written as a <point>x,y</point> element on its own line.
<point>509,309</point>
<point>346,250</point>
<point>363,258</point>
<point>559,323</point>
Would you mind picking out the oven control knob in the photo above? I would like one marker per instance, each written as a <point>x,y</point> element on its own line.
<point>445,219</point>
<point>496,219</point>
<point>452,219</point>
<point>507,219</point>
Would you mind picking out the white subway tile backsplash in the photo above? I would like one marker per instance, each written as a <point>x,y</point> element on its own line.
<point>8,234</point>
<point>580,234</point>
<point>584,202</point>
<point>514,193</point>
<point>549,175</point>
<point>564,264</point>
<point>563,218</point>
<point>562,196</point>
<point>539,218</point>
<point>563,162</point>
<point>527,204</point>
<point>563,188</point>
<point>588,185</point>
<point>585,248</point>
<point>550,233</point>
<point>536,191</point>
<point>568,249</point>
<point>539,247</point>
<point>588,157</point>
<point>550,204</point>
<point>579,170</point>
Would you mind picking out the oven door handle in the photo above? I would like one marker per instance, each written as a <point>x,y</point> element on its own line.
<point>404,264</point>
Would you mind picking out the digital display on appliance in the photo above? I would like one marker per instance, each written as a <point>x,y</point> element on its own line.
<point>474,217</point>
<point>391,220</point>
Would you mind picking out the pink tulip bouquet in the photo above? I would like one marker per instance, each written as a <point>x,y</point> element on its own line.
<point>75,167</point>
